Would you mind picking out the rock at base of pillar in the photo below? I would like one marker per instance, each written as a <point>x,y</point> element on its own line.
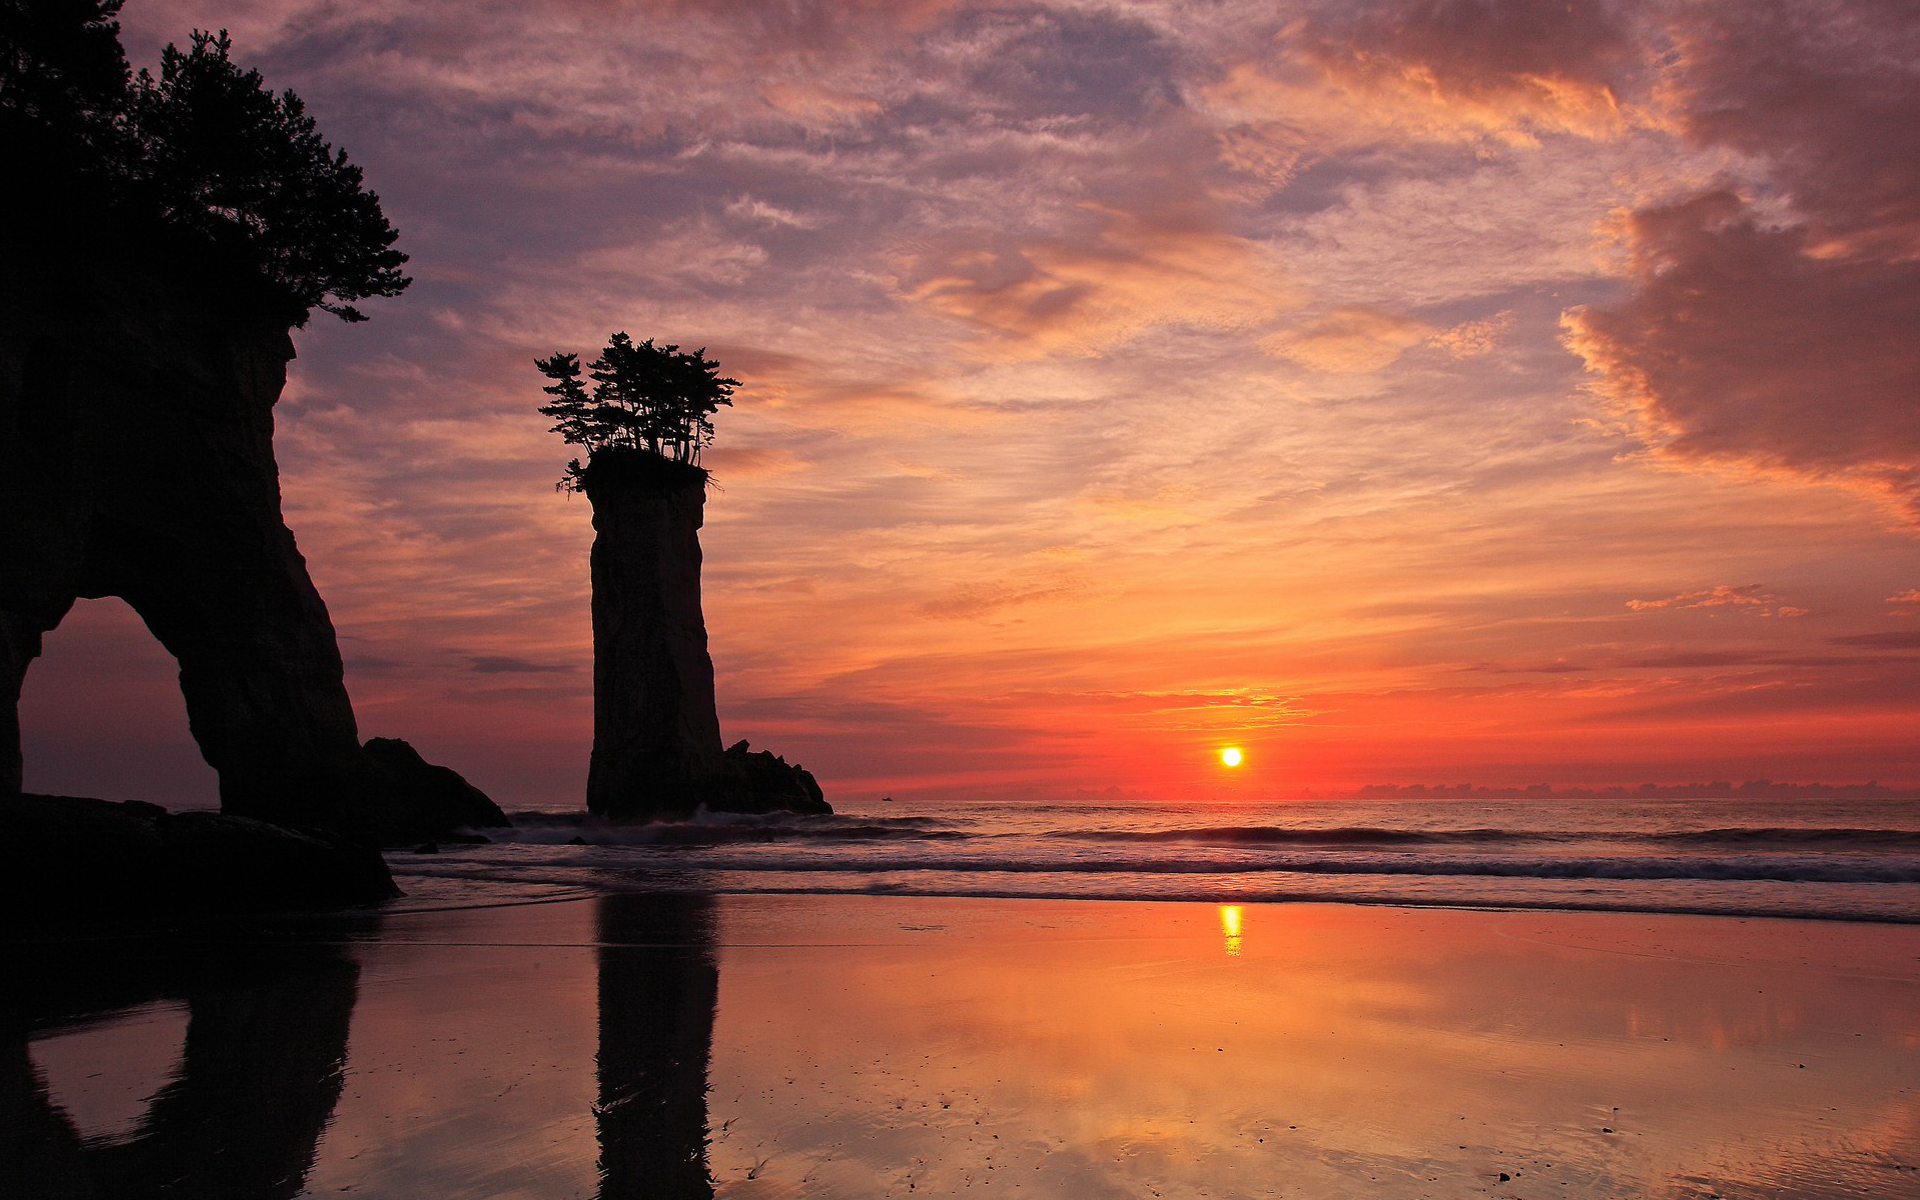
<point>416,801</point>
<point>758,781</point>
<point>92,860</point>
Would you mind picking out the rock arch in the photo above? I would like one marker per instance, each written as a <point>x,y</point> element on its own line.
<point>137,390</point>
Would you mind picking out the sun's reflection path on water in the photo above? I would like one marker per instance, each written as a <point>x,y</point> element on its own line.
<point>1230,928</point>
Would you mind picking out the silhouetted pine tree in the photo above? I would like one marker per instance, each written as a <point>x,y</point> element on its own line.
<point>206,150</point>
<point>647,398</point>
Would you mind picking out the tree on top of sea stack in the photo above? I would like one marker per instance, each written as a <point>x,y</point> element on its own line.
<point>656,731</point>
<point>645,397</point>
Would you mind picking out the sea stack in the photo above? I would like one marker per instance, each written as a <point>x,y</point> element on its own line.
<point>656,735</point>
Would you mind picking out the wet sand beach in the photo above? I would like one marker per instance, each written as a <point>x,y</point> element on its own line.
<point>847,1046</point>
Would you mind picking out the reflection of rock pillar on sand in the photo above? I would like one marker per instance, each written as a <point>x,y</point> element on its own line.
<point>659,985</point>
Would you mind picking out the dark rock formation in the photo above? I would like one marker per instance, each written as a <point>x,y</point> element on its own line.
<point>758,781</point>
<point>79,858</point>
<point>417,801</point>
<point>656,735</point>
<point>137,462</point>
<point>137,385</point>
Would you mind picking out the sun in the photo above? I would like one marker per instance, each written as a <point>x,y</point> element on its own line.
<point>1231,756</point>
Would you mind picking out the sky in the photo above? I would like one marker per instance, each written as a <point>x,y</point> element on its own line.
<point>1444,391</point>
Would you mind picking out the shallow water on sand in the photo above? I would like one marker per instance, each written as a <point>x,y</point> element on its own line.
<point>750,1046</point>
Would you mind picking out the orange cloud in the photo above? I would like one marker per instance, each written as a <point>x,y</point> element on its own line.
<point>1349,340</point>
<point>1509,70</point>
<point>1724,596</point>
<point>1110,274</point>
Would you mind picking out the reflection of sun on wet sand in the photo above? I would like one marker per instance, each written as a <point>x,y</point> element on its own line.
<point>861,1047</point>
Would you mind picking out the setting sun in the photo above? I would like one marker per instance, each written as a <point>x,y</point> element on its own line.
<point>1230,756</point>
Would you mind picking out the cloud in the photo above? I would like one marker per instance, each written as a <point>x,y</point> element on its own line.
<point>974,602</point>
<point>1349,340</point>
<point>1104,272</point>
<point>1898,639</point>
<point>1493,64</point>
<point>1752,596</point>
<point>753,209</point>
<point>749,462</point>
<point>508,664</point>
<point>1472,338</point>
<point>1356,339</point>
<point>1744,344</point>
<point>1051,64</point>
<point>1769,325</point>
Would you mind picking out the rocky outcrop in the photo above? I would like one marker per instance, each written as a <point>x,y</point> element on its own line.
<point>656,734</point>
<point>417,801</point>
<point>137,386</point>
<point>759,781</point>
<point>79,858</point>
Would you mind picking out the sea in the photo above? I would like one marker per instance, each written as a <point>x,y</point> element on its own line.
<point>1840,859</point>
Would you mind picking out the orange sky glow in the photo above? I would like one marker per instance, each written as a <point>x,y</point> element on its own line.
<point>1401,392</point>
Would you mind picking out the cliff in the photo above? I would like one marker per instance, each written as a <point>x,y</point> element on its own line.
<point>137,386</point>
<point>656,735</point>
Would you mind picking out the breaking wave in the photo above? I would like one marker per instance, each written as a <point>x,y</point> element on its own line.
<point>1816,861</point>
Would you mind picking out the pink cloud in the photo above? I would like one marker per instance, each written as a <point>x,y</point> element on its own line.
<point>1506,63</point>
<point>1747,344</point>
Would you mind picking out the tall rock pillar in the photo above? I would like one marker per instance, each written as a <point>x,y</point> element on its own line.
<point>656,736</point>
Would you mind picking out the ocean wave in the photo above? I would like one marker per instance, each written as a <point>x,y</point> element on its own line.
<point>1792,836</point>
<point>1825,868</point>
<point>719,829</point>
<point>1367,835</point>
<point>1288,835</point>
